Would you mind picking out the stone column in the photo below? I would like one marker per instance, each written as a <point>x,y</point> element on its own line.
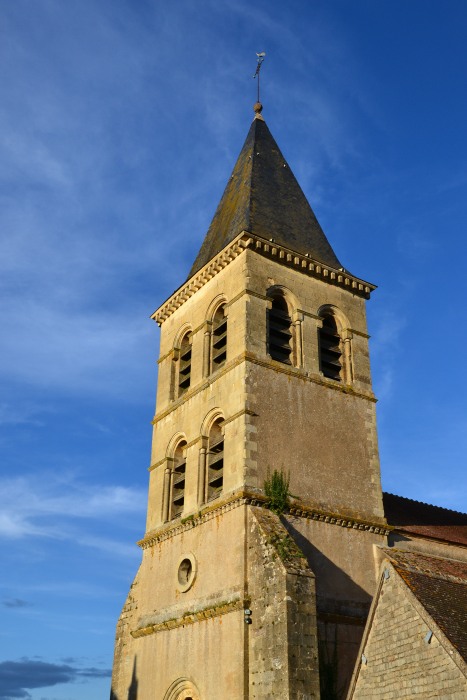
<point>202,475</point>
<point>298,337</point>
<point>173,390</point>
<point>166,494</point>
<point>347,343</point>
<point>207,350</point>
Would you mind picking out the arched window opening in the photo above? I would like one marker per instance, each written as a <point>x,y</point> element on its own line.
<point>184,364</point>
<point>215,466</point>
<point>178,480</point>
<point>280,331</point>
<point>219,339</point>
<point>182,689</point>
<point>330,353</point>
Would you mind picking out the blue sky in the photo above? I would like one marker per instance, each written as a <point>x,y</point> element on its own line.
<point>119,125</point>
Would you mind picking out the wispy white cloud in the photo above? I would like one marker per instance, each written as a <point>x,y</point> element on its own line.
<point>80,351</point>
<point>89,228</point>
<point>118,125</point>
<point>386,336</point>
<point>388,329</point>
<point>12,414</point>
<point>71,240</point>
<point>46,507</point>
<point>65,589</point>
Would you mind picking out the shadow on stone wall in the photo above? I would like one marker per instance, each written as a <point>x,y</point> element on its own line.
<point>132,690</point>
<point>336,592</point>
<point>342,610</point>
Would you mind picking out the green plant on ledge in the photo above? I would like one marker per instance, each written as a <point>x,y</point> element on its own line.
<point>188,519</point>
<point>284,546</point>
<point>276,489</point>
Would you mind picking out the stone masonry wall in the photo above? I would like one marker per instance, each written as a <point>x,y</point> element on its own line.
<point>321,431</point>
<point>123,654</point>
<point>399,662</point>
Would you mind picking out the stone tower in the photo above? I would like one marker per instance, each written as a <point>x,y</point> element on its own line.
<point>263,367</point>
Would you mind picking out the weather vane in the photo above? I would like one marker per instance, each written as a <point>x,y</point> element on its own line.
<point>258,67</point>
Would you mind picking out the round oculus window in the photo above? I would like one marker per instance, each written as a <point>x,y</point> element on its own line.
<point>186,572</point>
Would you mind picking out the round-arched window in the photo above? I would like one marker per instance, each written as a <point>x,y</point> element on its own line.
<point>330,352</point>
<point>279,329</point>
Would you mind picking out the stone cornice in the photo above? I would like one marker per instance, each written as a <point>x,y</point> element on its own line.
<point>169,530</point>
<point>285,256</point>
<point>313,268</point>
<point>307,376</point>
<point>190,618</point>
<point>192,285</point>
<point>243,497</point>
<point>311,513</point>
<point>270,364</point>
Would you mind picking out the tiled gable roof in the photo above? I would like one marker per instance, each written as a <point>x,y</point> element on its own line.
<point>440,586</point>
<point>425,520</point>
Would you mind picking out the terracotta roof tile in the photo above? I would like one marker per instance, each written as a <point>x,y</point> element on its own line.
<point>440,585</point>
<point>425,520</point>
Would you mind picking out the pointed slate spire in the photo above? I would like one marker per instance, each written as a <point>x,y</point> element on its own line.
<point>263,197</point>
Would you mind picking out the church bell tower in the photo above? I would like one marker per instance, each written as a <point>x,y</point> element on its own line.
<point>263,369</point>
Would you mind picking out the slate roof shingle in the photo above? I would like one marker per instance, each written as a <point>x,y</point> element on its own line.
<point>263,197</point>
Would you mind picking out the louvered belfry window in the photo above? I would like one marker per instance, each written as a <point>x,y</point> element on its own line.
<point>330,349</point>
<point>178,480</point>
<point>184,366</point>
<point>280,331</point>
<point>219,339</point>
<point>215,465</point>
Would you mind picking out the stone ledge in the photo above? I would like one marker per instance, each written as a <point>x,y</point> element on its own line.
<point>308,376</point>
<point>171,529</point>
<point>282,255</point>
<point>269,364</point>
<point>244,497</point>
<point>313,268</point>
<point>190,618</point>
<point>349,522</point>
<point>207,381</point>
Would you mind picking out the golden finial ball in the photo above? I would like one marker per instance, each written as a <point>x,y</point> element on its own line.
<point>258,107</point>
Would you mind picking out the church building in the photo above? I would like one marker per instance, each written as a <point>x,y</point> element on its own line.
<point>273,565</point>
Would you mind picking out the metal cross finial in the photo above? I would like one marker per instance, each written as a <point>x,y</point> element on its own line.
<point>258,67</point>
